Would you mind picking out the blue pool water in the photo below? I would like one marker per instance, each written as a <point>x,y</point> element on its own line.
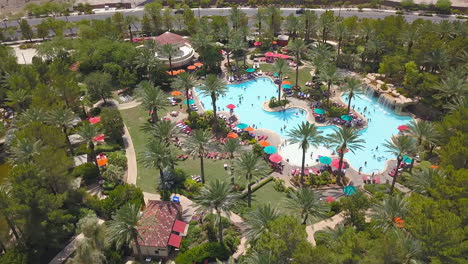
<point>249,97</point>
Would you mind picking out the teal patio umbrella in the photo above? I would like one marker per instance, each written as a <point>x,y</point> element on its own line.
<point>287,86</point>
<point>407,159</point>
<point>325,160</point>
<point>349,190</point>
<point>242,125</point>
<point>269,149</point>
<point>276,74</point>
<point>190,101</point>
<point>346,118</point>
<point>319,111</point>
<point>250,70</point>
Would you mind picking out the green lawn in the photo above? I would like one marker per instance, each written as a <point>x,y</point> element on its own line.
<point>304,74</point>
<point>267,194</point>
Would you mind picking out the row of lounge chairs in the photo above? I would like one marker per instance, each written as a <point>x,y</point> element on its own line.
<point>172,101</point>
<point>182,157</point>
<point>303,95</point>
<point>184,128</point>
<point>125,98</point>
<point>196,178</point>
<point>216,155</point>
<point>307,171</point>
<point>262,137</point>
<point>369,180</point>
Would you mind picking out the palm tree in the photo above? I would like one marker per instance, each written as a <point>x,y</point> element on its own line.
<point>163,130</point>
<point>424,180</point>
<point>169,50</point>
<point>198,144</point>
<point>122,229</point>
<point>297,47</point>
<point>257,221</point>
<point>63,118</point>
<point>232,145</point>
<point>251,166</point>
<point>5,203</point>
<point>260,17</point>
<point>17,99</point>
<point>214,87</point>
<point>256,257</point>
<point>422,131</point>
<point>310,24</point>
<point>217,196</point>
<point>158,155</point>
<point>453,86</point>
<point>307,203</point>
<point>25,150</point>
<point>341,33</point>
<point>331,235</point>
<point>152,98</point>
<point>435,60</point>
<point>130,20</point>
<point>320,55</point>
<point>280,67</point>
<point>30,115</point>
<point>90,248</point>
<point>345,138</point>
<point>88,132</point>
<point>352,85</point>
<point>399,146</point>
<point>184,81</point>
<point>237,45</point>
<point>235,16</point>
<point>386,213</point>
<point>306,135</point>
<point>147,61</point>
<point>330,76</point>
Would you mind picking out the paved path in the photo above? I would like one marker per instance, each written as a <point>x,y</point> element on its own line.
<point>322,225</point>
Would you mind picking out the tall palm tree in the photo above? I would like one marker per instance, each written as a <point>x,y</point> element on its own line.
<point>63,118</point>
<point>25,150</point>
<point>88,132</point>
<point>256,257</point>
<point>237,45</point>
<point>345,138</point>
<point>453,86</point>
<point>217,196</point>
<point>235,17</point>
<point>130,20</point>
<point>257,221</point>
<point>184,81</point>
<point>251,166</point>
<point>351,86</point>
<point>90,248</point>
<point>152,98</point>
<point>122,229</point>
<point>17,99</point>
<point>341,33</point>
<point>310,24</point>
<point>320,55</point>
<point>399,146</point>
<point>306,134</point>
<point>307,203</point>
<point>5,203</point>
<point>231,146</point>
<point>163,130</point>
<point>214,87</point>
<point>198,144</point>
<point>424,180</point>
<point>280,67</point>
<point>260,17</point>
<point>146,60</point>
<point>329,75</point>
<point>158,155</point>
<point>331,235</point>
<point>169,50</point>
<point>297,47</point>
<point>30,115</point>
<point>422,131</point>
<point>386,212</point>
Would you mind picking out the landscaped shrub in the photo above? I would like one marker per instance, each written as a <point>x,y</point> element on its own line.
<point>208,251</point>
<point>112,124</point>
<point>113,173</point>
<point>192,187</point>
<point>95,111</point>
<point>121,195</point>
<point>118,158</point>
<point>334,111</point>
<point>275,103</point>
<point>87,171</point>
<point>107,148</point>
<point>279,185</point>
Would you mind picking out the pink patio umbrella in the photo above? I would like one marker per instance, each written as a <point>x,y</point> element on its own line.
<point>330,199</point>
<point>99,138</point>
<point>94,120</point>
<point>284,56</point>
<point>403,127</point>
<point>277,55</point>
<point>230,106</point>
<point>269,54</point>
<point>257,43</point>
<point>336,163</point>
<point>276,158</point>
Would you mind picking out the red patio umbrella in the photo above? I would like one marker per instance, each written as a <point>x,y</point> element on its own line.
<point>284,56</point>
<point>274,42</point>
<point>94,120</point>
<point>275,158</point>
<point>99,137</point>
<point>403,127</point>
<point>230,106</point>
<point>269,54</point>
<point>257,43</point>
<point>336,163</point>
<point>277,55</point>
<point>330,199</point>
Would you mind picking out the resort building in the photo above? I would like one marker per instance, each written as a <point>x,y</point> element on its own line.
<point>185,51</point>
<point>160,229</point>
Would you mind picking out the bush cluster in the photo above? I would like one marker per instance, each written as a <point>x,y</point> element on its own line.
<point>210,251</point>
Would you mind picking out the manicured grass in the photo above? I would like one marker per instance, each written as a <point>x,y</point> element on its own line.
<point>268,194</point>
<point>304,74</point>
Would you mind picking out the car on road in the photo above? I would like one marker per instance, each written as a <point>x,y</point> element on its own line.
<point>300,11</point>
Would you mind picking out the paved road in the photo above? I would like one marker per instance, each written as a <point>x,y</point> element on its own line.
<point>249,11</point>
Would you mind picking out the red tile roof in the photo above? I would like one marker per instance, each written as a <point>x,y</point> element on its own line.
<point>174,240</point>
<point>169,38</point>
<point>155,226</point>
<point>179,226</point>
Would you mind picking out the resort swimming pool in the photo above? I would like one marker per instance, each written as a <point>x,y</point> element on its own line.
<point>249,97</point>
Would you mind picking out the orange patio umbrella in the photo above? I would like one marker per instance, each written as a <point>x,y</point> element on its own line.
<point>249,129</point>
<point>176,93</point>
<point>198,64</point>
<point>232,135</point>
<point>264,143</point>
<point>192,67</point>
<point>286,82</point>
<point>172,73</point>
<point>434,167</point>
<point>102,161</point>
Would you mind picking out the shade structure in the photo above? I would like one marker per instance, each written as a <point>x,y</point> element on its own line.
<point>176,93</point>
<point>285,82</point>
<point>275,158</point>
<point>269,54</point>
<point>249,129</point>
<point>198,64</point>
<point>257,43</point>
<point>250,70</point>
<point>284,56</point>
<point>407,159</point>
<point>403,127</point>
<point>277,55</point>
<point>264,143</point>
<point>242,125</point>
<point>94,120</point>
<point>179,226</point>
<point>269,150</point>
<point>287,86</point>
<point>274,42</point>
<point>325,160</point>
<point>232,135</point>
<point>319,111</point>
<point>230,106</point>
<point>349,190</point>
<point>330,199</point>
<point>190,101</point>
<point>276,74</point>
<point>174,240</point>
<point>192,67</point>
<point>336,163</point>
<point>99,138</point>
<point>346,118</point>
